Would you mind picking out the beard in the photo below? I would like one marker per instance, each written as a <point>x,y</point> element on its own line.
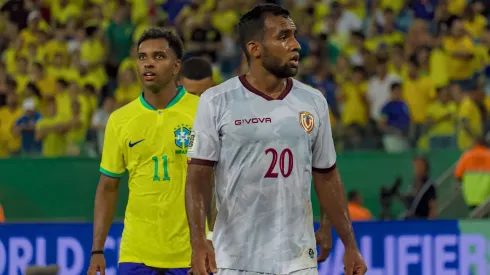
<point>273,65</point>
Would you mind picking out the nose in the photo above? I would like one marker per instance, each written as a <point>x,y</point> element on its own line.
<point>149,64</point>
<point>295,46</point>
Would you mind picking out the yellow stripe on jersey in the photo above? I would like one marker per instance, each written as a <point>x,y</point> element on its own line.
<point>152,146</point>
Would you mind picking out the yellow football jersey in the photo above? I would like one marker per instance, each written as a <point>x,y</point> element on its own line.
<point>152,145</point>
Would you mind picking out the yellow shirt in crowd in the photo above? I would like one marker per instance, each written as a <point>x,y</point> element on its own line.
<point>418,94</point>
<point>459,69</point>
<point>54,144</point>
<point>436,111</point>
<point>355,111</point>
<point>470,112</point>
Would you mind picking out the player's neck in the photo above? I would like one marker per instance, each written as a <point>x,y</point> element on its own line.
<point>161,99</point>
<point>266,82</point>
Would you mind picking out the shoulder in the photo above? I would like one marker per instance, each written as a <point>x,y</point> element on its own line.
<point>214,94</point>
<point>122,115</point>
<point>190,100</point>
<point>315,95</point>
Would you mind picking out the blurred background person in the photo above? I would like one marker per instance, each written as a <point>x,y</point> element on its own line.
<point>421,200</point>
<point>357,211</point>
<point>196,75</point>
<point>473,173</point>
<point>25,127</point>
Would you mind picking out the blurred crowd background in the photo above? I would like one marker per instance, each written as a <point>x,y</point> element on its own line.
<point>398,75</point>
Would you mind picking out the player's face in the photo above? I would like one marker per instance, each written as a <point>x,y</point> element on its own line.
<point>197,87</point>
<point>157,64</point>
<point>280,54</point>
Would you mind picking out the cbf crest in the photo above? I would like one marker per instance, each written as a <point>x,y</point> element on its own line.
<point>306,121</point>
<point>182,134</point>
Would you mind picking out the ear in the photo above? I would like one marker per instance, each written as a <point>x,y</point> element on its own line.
<point>254,49</point>
<point>177,65</point>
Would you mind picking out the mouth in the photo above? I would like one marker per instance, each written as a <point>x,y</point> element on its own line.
<point>294,61</point>
<point>148,76</point>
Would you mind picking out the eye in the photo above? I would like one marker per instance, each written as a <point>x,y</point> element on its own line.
<point>142,57</point>
<point>160,56</point>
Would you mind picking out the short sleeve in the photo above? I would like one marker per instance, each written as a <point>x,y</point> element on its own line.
<point>112,163</point>
<point>204,144</point>
<point>324,155</point>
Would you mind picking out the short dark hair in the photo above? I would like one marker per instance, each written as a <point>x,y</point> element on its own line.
<point>396,85</point>
<point>196,68</point>
<point>38,65</point>
<point>62,82</point>
<point>174,41</point>
<point>251,24</point>
<point>352,195</point>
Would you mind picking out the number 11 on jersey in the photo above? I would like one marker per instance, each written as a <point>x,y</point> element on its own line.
<point>165,168</point>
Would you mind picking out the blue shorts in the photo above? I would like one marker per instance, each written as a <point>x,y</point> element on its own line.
<point>141,269</point>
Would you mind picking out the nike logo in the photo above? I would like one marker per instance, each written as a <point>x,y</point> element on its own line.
<point>133,144</point>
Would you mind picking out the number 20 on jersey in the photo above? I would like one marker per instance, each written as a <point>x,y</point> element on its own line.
<point>285,160</point>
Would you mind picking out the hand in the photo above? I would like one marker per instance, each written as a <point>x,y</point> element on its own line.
<point>97,263</point>
<point>353,262</point>
<point>203,259</point>
<point>324,240</point>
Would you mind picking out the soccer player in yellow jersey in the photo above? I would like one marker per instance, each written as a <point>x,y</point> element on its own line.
<point>149,138</point>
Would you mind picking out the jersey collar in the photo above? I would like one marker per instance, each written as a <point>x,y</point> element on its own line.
<point>180,93</point>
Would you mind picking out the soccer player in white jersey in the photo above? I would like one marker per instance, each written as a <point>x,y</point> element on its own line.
<point>265,135</point>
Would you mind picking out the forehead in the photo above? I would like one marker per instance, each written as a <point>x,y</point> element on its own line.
<point>274,24</point>
<point>153,45</point>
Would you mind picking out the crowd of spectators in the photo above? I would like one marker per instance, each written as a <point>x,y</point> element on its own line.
<point>397,74</point>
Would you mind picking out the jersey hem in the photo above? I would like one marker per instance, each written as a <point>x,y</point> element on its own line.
<point>325,170</point>
<point>288,271</point>
<point>110,174</point>
<point>156,264</point>
<point>202,162</point>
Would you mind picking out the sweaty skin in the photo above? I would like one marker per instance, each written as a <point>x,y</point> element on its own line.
<point>333,202</point>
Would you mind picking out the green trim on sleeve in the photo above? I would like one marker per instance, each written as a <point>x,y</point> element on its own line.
<point>110,174</point>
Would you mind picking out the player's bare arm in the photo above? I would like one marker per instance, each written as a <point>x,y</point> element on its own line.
<point>198,196</point>
<point>331,195</point>
<point>324,237</point>
<point>212,212</point>
<point>105,205</point>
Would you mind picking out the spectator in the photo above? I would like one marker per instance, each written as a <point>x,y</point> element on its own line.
<point>205,39</point>
<point>473,172</point>
<point>196,75</point>
<point>128,88</point>
<point>470,118</point>
<point>460,49</point>
<point>421,201</point>
<point>355,115</point>
<point>76,129</point>
<point>378,91</point>
<point>100,118</point>
<point>120,37</point>
<point>46,84</point>
<point>419,92</point>
<point>50,131</point>
<point>441,120</point>
<point>357,211</point>
<point>474,23</point>
<point>9,143</point>
<point>25,127</point>
<point>395,122</point>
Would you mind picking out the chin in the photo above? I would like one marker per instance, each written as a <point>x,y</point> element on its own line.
<point>152,87</point>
